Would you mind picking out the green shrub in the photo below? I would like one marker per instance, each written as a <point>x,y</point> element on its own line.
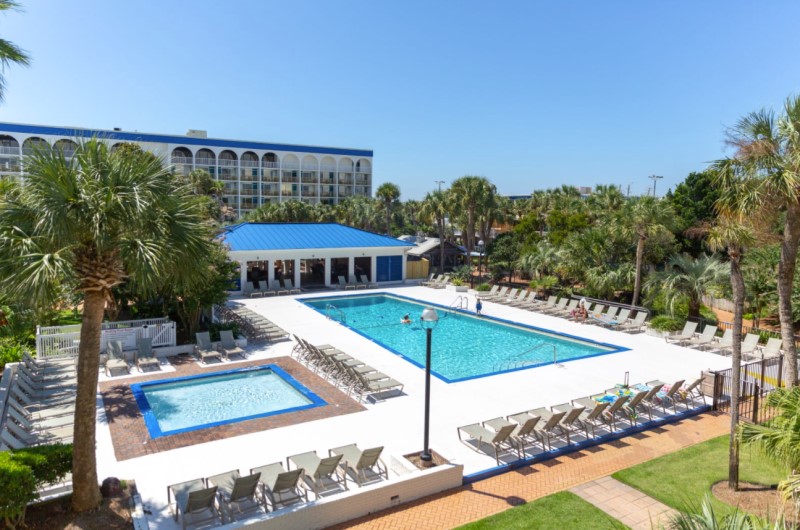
<point>22,471</point>
<point>708,316</point>
<point>461,273</point>
<point>457,282</point>
<point>482,288</point>
<point>545,283</point>
<point>10,351</point>
<point>666,323</point>
<point>216,327</point>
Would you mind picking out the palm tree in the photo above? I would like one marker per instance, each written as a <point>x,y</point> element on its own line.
<point>690,278</point>
<point>388,193</point>
<point>435,208</point>
<point>704,517</point>
<point>469,194</point>
<point>94,221</point>
<point>642,219</point>
<point>9,52</point>
<point>765,169</point>
<point>734,235</point>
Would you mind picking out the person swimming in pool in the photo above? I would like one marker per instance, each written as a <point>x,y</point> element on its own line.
<point>406,319</point>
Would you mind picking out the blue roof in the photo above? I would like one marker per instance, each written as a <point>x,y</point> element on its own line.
<point>285,236</point>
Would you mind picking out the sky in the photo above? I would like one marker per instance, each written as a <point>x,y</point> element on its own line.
<point>530,94</point>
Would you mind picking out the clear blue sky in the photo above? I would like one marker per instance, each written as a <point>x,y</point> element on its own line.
<point>528,94</point>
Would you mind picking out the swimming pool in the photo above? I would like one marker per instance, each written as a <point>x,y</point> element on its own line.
<point>183,404</point>
<point>464,346</point>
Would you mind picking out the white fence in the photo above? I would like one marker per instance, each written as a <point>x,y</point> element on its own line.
<point>63,341</point>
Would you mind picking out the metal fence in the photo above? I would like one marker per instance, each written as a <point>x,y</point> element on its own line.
<point>63,341</point>
<point>757,379</point>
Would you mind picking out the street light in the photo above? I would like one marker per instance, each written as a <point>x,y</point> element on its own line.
<point>428,320</point>
<point>655,181</point>
<point>439,182</point>
<point>480,260</point>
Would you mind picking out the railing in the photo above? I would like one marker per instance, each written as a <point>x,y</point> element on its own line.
<point>290,166</point>
<point>330,308</point>
<point>249,163</point>
<point>181,160</point>
<point>64,341</point>
<point>757,380</point>
<point>518,362</point>
<point>9,150</point>
<point>461,302</point>
<point>328,168</point>
<point>205,161</point>
<point>271,165</point>
<point>311,180</point>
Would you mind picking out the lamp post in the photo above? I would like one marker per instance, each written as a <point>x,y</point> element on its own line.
<point>480,261</point>
<point>429,319</point>
<point>655,179</point>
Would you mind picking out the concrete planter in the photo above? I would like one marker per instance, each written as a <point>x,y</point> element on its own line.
<point>657,333</point>
<point>457,288</point>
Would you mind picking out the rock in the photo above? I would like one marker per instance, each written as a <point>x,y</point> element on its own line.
<point>111,487</point>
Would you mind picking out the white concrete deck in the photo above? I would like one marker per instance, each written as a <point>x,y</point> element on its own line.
<point>397,423</point>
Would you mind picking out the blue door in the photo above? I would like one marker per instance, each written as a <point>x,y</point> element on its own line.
<point>390,268</point>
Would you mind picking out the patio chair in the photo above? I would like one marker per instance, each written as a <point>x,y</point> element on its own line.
<point>432,279</point>
<point>237,495</point>
<point>370,283</point>
<point>42,408</point>
<point>488,294</point>
<point>567,310</point>
<point>750,344</point>
<point>543,305</point>
<point>38,422</point>
<point>525,430</point>
<point>320,475</point>
<point>344,284</point>
<point>561,304</point>
<point>279,487</point>
<point>571,421</point>
<point>636,324</point>
<point>50,397</point>
<point>705,338</point>
<point>669,397</point>
<point>50,430</point>
<point>691,391</point>
<point>617,320</point>
<point>8,441</point>
<point>725,342</point>
<point>144,354</point>
<point>290,286</point>
<point>193,500</point>
<point>527,303</point>
<point>610,415</point>
<point>116,358</point>
<point>48,366</point>
<point>593,417</point>
<point>442,283</point>
<point>251,290</point>
<point>521,294</point>
<point>363,467</point>
<point>64,384</point>
<point>500,293</point>
<point>374,383</point>
<point>354,281</point>
<point>276,287</point>
<point>632,406</point>
<point>264,288</point>
<point>552,427</point>
<point>687,333</point>
<point>498,440</point>
<point>37,373</point>
<point>772,349</point>
<point>363,281</point>
<point>204,349</point>
<point>650,400</point>
<point>228,345</point>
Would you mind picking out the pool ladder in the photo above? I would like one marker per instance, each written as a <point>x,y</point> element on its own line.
<point>516,362</point>
<point>462,302</point>
<point>330,308</point>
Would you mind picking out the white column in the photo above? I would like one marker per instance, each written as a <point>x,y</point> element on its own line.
<point>327,272</point>
<point>351,267</point>
<point>403,256</point>
<point>270,272</point>
<point>297,273</point>
<point>373,274</point>
<point>243,274</point>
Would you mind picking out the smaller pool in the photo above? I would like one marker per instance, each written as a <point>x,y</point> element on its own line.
<point>183,404</point>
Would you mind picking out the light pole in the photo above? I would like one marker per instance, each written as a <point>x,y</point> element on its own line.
<point>480,261</point>
<point>655,181</point>
<point>439,182</point>
<point>429,319</point>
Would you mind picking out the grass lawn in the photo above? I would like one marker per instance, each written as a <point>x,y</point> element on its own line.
<point>686,476</point>
<point>562,510</point>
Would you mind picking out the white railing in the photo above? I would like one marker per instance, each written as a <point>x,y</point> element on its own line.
<point>271,164</point>
<point>181,160</point>
<point>4,150</point>
<point>63,341</point>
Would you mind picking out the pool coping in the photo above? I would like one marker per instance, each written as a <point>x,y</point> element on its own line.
<point>151,422</point>
<point>614,347</point>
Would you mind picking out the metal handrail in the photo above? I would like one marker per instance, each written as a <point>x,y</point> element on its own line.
<point>463,304</point>
<point>331,307</point>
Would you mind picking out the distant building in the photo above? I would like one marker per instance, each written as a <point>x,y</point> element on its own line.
<point>254,173</point>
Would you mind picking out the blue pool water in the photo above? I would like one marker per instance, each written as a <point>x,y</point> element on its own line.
<point>185,404</point>
<point>464,346</point>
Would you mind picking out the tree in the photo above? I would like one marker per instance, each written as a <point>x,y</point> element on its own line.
<point>97,220</point>
<point>388,194</point>
<point>9,52</point>
<point>435,209</point>
<point>469,195</point>
<point>693,202</point>
<point>642,219</point>
<point>689,278</point>
<point>764,174</point>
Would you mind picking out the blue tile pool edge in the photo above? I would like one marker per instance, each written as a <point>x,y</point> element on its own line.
<point>561,451</point>
<point>614,347</point>
<point>155,431</point>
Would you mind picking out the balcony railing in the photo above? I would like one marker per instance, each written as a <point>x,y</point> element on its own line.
<point>228,163</point>
<point>345,181</point>
<point>249,163</point>
<point>362,182</point>
<point>5,150</point>
<point>249,192</point>
<point>311,180</point>
<point>269,178</point>
<point>248,178</point>
<point>205,162</point>
<point>290,166</point>
<point>181,160</point>
<point>326,167</point>
<point>271,164</point>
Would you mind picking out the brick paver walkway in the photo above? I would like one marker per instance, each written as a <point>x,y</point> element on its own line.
<point>487,497</point>
<point>629,505</point>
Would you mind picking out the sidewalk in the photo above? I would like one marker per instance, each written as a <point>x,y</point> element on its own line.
<point>488,497</point>
<point>629,505</point>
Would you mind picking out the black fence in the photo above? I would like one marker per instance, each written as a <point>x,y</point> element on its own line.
<point>758,378</point>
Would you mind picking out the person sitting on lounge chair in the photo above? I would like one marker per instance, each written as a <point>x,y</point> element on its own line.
<point>580,313</point>
<point>406,319</point>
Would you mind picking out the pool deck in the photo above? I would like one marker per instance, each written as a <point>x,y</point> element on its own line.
<point>397,422</point>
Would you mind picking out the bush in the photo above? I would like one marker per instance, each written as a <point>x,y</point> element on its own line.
<point>457,282</point>
<point>22,471</point>
<point>215,327</point>
<point>545,283</point>
<point>10,351</point>
<point>666,323</point>
<point>482,288</point>
<point>708,316</point>
<point>461,273</point>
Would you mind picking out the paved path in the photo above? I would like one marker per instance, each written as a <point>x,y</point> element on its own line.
<point>629,505</point>
<point>488,497</point>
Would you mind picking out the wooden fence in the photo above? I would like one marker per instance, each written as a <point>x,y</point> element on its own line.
<point>63,341</point>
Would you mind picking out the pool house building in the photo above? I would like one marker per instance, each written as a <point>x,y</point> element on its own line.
<point>313,255</point>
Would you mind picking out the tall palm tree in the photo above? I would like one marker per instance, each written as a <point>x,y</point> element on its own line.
<point>9,52</point>
<point>733,235</point>
<point>689,278</point>
<point>435,209</point>
<point>642,219</point>
<point>388,194</point>
<point>94,221</point>
<point>765,168</point>
<point>469,194</point>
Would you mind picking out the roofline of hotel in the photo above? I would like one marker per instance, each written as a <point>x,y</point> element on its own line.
<point>177,139</point>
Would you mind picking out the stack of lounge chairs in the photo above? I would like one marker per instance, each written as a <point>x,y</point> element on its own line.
<point>252,325</point>
<point>583,419</point>
<point>41,403</point>
<point>232,496</point>
<point>261,288</point>
<point>346,372</point>
<point>439,282</point>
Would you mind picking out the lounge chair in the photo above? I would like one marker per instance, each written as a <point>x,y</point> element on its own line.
<point>193,499</point>
<point>363,281</point>
<point>669,397</point>
<point>750,344</point>
<point>687,334</point>
<point>251,290</point>
<point>116,358</point>
<point>543,305</point>
<point>320,475</point>
<point>488,294</point>
<point>58,372</point>
<point>374,383</point>
<point>528,303</point>
<point>500,293</point>
<point>228,345</point>
<point>566,312</point>
<point>290,286</point>
<point>39,422</point>
<point>593,417</point>
<point>559,306</point>
<point>204,349</point>
<point>30,431</point>
<point>772,349</point>
<point>51,383</point>
<point>617,320</point>
<point>632,406</point>
<point>354,281</point>
<point>725,342</point>
<point>276,287</point>
<point>691,391</point>
<point>552,427</point>
<point>40,407</point>
<point>513,298</point>
<point>610,415</point>
<point>705,338</point>
<point>525,430</point>
<point>571,421</point>
<point>237,495</point>
<point>344,284</point>
<point>48,366</point>
<point>499,439</point>
<point>433,279</point>
<point>279,487</point>
<point>441,284</point>
<point>364,467</point>
<point>634,325</point>
<point>144,354</point>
